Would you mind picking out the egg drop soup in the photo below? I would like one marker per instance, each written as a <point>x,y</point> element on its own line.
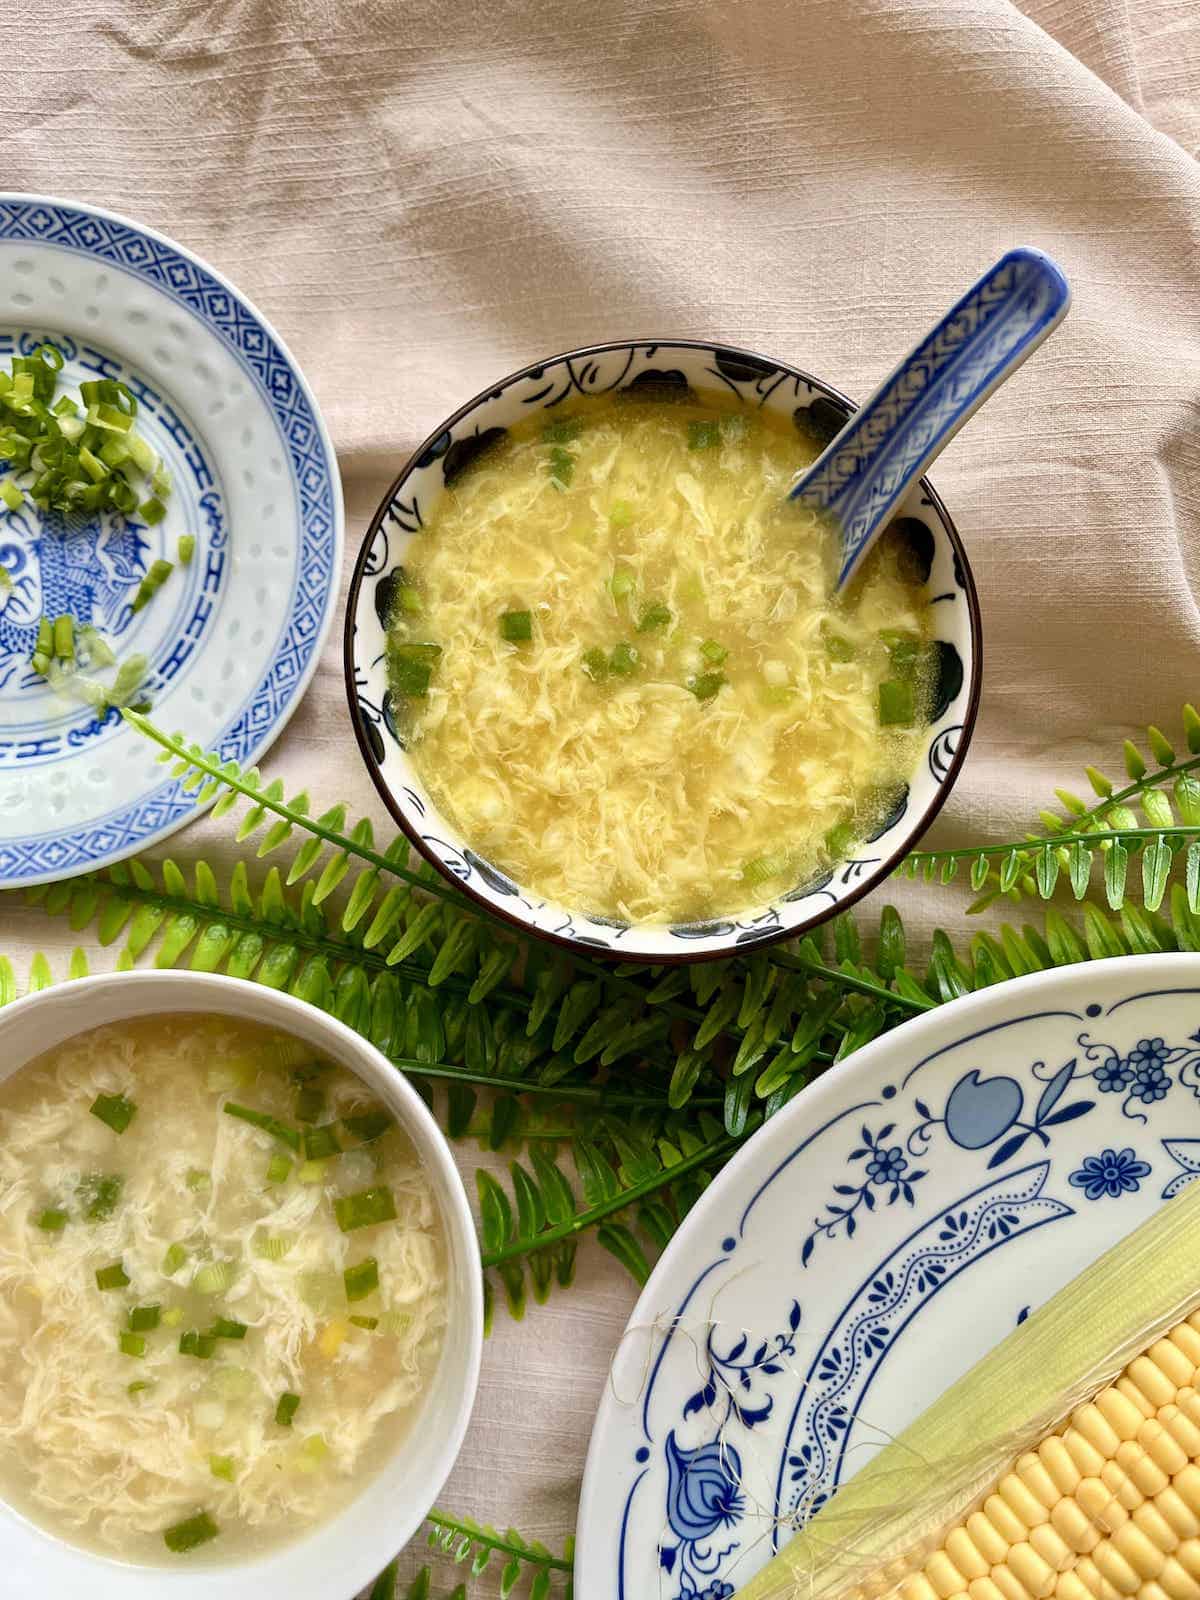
<point>620,667</point>
<point>222,1288</point>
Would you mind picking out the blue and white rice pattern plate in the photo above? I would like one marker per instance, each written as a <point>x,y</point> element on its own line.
<point>233,638</point>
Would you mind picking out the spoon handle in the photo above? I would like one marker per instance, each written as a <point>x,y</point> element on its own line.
<point>891,440</point>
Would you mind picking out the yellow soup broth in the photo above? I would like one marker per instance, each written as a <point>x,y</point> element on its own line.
<point>622,672</point>
<point>172,1269</point>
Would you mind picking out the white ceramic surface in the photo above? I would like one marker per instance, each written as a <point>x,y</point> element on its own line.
<point>234,637</point>
<point>871,1243</point>
<point>339,1558</point>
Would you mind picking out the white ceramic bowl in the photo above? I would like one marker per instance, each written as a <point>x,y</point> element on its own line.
<point>336,1560</point>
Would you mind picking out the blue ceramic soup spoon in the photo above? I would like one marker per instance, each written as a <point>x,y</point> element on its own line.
<point>889,442</point>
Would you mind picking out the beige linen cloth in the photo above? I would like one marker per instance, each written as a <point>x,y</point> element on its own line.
<point>423,197</point>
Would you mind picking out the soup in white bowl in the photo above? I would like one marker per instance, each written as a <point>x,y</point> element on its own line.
<point>240,1308</point>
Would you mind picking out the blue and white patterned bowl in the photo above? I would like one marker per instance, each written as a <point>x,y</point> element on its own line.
<point>602,369</point>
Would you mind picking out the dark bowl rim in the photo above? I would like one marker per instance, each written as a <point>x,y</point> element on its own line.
<point>582,947</point>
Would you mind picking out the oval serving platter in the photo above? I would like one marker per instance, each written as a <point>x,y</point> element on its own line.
<point>234,636</point>
<point>870,1244</point>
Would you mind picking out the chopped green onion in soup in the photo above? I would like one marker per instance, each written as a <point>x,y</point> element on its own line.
<point>694,696</point>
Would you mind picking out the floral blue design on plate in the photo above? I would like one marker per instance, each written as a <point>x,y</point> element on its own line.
<point>781,1340</point>
<point>233,638</point>
<point>1143,1074</point>
<point>651,367</point>
<point>1185,1153</point>
<point>703,1499</point>
<point>1113,1173</point>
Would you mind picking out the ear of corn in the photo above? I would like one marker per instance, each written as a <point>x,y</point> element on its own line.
<point>1066,1463</point>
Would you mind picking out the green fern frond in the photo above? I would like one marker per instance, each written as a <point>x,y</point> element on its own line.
<point>1107,835</point>
<point>464,1540</point>
<point>41,975</point>
<point>651,1180</point>
<point>574,1027</point>
<point>1030,867</point>
<point>458,933</point>
<point>386,1586</point>
<point>564,1043</point>
<point>637,1148</point>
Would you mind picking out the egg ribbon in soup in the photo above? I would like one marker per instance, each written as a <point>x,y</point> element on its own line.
<point>622,671</point>
<point>222,1288</point>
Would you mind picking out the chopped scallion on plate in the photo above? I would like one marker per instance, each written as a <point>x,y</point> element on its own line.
<point>158,574</point>
<point>112,1277</point>
<point>64,637</point>
<point>52,1221</point>
<point>144,1319</point>
<point>85,457</point>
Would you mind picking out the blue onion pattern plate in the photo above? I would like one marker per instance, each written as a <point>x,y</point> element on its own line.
<point>234,637</point>
<point>867,1247</point>
<point>652,368</point>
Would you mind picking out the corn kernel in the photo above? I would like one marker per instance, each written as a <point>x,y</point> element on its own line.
<point>1123,1415</point>
<point>944,1576</point>
<point>962,1551</point>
